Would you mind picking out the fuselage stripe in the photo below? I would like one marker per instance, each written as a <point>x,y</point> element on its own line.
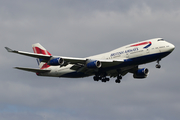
<point>139,44</point>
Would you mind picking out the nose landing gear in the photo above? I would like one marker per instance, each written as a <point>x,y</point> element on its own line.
<point>158,65</point>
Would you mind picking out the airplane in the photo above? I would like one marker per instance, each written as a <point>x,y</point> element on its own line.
<point>116,63</point>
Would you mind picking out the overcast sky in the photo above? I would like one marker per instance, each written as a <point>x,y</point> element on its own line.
<point>81,28</point>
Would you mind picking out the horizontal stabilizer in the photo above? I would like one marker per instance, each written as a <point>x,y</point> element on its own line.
<point>32,70</point>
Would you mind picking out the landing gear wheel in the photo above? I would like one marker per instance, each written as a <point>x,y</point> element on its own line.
<point>105,79</point>
<point>158,66</point>
<point>101,77</point>
<point>96,78</point>
<point>119,77</point>
<point>118,80</point>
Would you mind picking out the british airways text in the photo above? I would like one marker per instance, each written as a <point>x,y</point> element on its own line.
<point>122,52</point>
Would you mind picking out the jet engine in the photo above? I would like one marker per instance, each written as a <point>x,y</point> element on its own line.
<point>141,73</point>
<point>93,64</point>
<point>56,61</point>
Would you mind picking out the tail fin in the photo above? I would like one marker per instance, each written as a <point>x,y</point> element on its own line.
<point>39,49</point>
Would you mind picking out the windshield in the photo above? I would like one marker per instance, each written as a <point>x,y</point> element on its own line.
<point>160,39</point>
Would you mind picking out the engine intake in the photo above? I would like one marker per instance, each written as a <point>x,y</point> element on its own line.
<point>56,61</point>
<point>93,64</point>
<point>141,73</point>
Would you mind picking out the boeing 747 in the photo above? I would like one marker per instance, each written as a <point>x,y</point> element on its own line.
<point>115,63</point>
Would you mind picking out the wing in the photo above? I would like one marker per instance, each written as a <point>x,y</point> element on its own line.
<point>67,60</point>
<point>46,58</point>
<point>32,70</point>
<point>41,56</point>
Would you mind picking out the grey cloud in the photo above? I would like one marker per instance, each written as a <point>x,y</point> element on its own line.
<point>81,29</point>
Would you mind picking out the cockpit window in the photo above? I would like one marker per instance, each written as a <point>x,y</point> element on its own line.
<point>160,39</point>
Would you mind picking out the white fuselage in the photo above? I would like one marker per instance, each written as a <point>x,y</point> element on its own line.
<point>153,49</point>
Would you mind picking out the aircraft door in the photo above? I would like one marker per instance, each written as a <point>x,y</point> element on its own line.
<point>147,51</point>
<point>127,55</point>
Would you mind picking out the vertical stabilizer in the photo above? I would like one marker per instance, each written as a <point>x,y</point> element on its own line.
<point>39,49</point>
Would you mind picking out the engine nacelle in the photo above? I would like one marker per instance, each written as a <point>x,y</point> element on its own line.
<point>141,73</point>
<point>93,64</point>
<point>56,61</point>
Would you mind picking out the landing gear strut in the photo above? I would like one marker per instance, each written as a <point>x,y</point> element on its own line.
<point>158,65</point>
<point>118,80</point>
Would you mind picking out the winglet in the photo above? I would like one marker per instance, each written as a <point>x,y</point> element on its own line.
<point>8,49</point>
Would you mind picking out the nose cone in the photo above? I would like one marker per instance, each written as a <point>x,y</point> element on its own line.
<point>171,47</point>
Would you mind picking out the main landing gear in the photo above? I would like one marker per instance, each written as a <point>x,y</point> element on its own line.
<point>118,80</point>
<point>103,79</point>
<point>158,65</point>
